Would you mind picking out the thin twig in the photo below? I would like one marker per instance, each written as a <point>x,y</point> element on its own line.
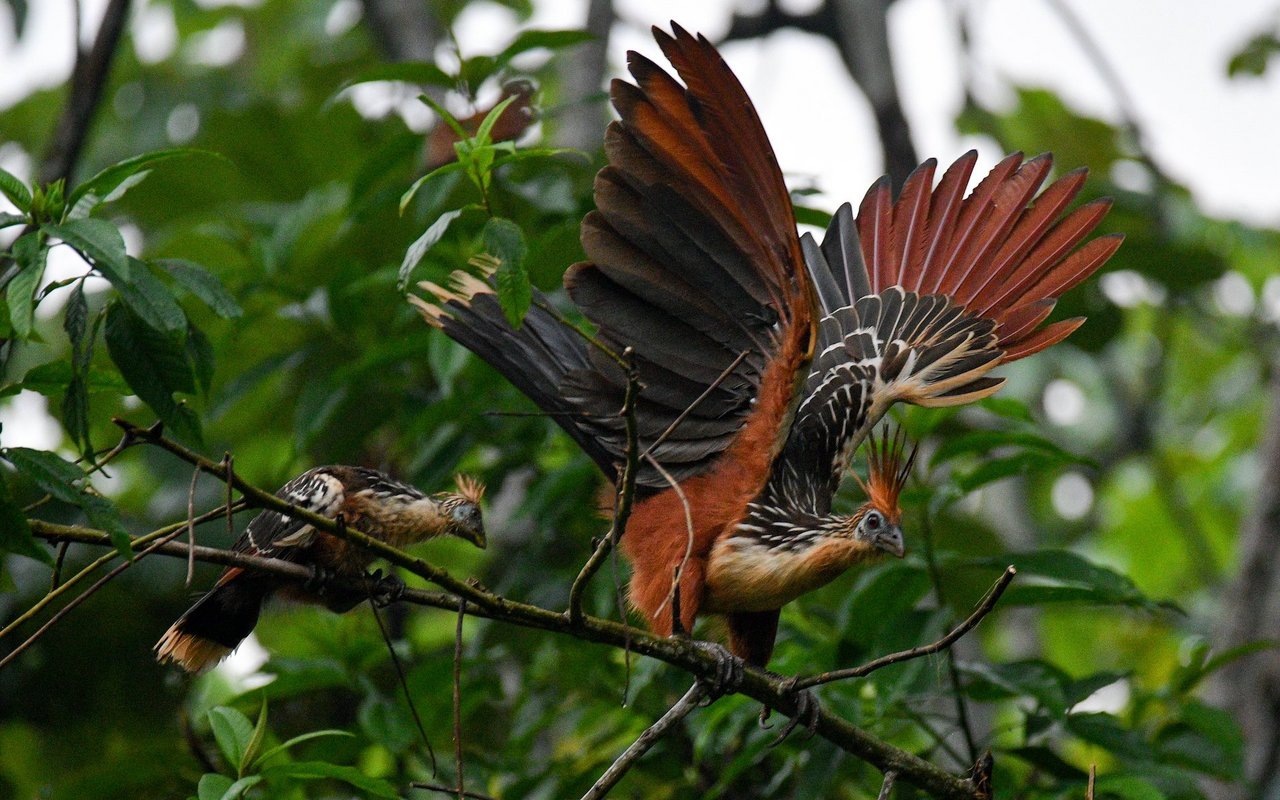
<point>984,608</point>
<point>191,528</point>
<point>101,561</point>
<point>85,595</point>
<point>646,740</point>
<point>625,494</point>
<point>757,684</point>
<point>442,789</point>
<point>953,671</point>
<point>885,788</point>
<point>404,684</point>
<point>459,786</point>
<point>689,409</point>
<point>56,577</point>
<point>1093,780</point>
<point>688,548</point>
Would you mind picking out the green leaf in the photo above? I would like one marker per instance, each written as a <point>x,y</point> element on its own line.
<point>1206,739</point>
<point>504,241</point>
<point>530,39</point>
<point>75,402</point>
<point>30,254</point>
<point>153,302</point>
<point>1253,58</point>
<point>419,72</point>
<point>1007,407</point>
<point>254,747</point>
<point>237,789</point>
<point>111,183</point>
<point>203,284</point>
<point>1068,578</point>
<point>233,732</point>
<point>984,441</point>
<point>155,366</point>
<point>52,378</point>
<point>100,242</point>
<point>102,514</point>
<point>1128,787</point>
<point>451,167</point>
<point>49,471</point>
<point>15,190</point>
<point>15,533</point>
<point>9,220</point>
<point>321,769</point>
<point>1106,731</point>
<point>1186,678</point>
<point>424,243</point>
<point>200,353</point>
<point>484,132</point>
<point>213,786</point>
<point>297,740</point>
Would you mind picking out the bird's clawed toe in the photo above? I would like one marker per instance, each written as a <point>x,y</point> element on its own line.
<point>728,671</point>
<point>385,589</point>
<point>807,708</point>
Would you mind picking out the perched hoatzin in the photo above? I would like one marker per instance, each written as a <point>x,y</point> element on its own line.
<point>765,358</point>
<point>363,499</point>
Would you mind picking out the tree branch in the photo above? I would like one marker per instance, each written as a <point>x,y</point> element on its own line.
<point>764,687</point>
<point>646,740</point>
<point>984,608</point>
<point>88,79</point>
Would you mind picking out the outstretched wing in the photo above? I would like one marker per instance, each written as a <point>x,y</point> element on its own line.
<point>694,263</point>
<point>922,297</point>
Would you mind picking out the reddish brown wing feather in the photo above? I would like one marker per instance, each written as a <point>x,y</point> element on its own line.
<point>997,253</point>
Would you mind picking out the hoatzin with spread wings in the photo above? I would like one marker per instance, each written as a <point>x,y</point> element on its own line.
<point>364,499</point>
<point>764,358</point>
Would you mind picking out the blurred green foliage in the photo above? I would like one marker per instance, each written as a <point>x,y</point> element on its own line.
<point>259,309</point>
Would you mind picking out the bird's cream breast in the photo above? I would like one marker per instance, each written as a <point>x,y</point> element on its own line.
<point>744,575</point>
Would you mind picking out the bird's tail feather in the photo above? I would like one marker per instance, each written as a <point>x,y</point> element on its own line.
<point>214,626</point>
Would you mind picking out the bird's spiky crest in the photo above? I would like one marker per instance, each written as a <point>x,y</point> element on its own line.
<point>889,464</point>
<point>470,488</point>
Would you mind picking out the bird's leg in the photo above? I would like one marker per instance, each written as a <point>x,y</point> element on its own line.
<point>728,669</point>
<point>384,589</point>
<point>321,578</point>
<point>807,708</point>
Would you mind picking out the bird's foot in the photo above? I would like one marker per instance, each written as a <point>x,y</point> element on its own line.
<point>384,589</point>
<point>728,671</point>
<point>319,581</point>
<point>807,708</point>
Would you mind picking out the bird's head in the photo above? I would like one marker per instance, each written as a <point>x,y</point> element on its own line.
<point>877,522</point>
<point>462,511</point>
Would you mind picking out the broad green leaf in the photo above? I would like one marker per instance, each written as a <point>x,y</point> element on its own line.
<point>1071,578</point>
<point>153,302</point>
<point>15,533</point>
<point>1039,680</point>
<point>213,786</point>
<point>322,769</point>
<point>155,366</point>
<point>75,402</point>
<point>984,441</point>
<point>530,39</point>
<point>15,190</point>
<point>419,72</point>
<point>100,242</point>
<point>1128,787</point>
<point>254,747</point>
<point>49,471</point>
<point>51,379</point>
<point>30,254</point>
<point>111,183</point>
<point>297,740</point>
<point>102,514</point>
<point>9,220</point>
<point>1108,732</point>
<point>200,353</point>
<point>504,241</point>
<point>1049,762</point>
<point>812,216</point>
<point>203,284</point>
<point>233,732</point>
<point>444,114</point>
<point>1204,738</point>
<point>991,470</point>
<point>1007,407</point>
<point>424,243</point>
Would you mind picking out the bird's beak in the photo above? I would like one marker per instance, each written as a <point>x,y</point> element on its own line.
<point>891,542</point>
<point>476,537</point>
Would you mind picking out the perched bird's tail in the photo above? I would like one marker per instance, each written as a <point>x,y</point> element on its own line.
<point>215,625</point>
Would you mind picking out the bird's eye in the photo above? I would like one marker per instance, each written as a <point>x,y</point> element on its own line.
<point>873,521</point>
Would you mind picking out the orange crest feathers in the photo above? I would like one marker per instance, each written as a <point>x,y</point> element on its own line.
<point>470,488</point>
<point>887,470</point>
